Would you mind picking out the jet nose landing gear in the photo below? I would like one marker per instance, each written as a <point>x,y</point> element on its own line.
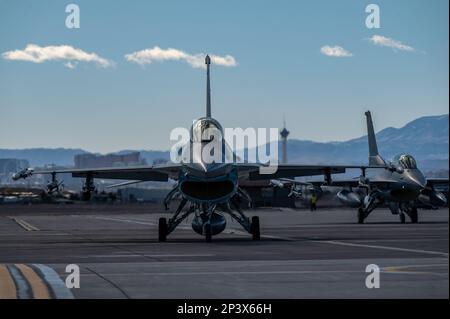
<point>207,231</point>
<point>162,229</point>
<point>207,221</point>
<point>254,228</point>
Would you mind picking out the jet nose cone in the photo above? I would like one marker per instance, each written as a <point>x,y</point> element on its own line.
<point>418,180</point>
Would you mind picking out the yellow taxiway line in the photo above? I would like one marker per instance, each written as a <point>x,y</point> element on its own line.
<point>25,225</point>
<point>38,287</point>
<point>7,285</point>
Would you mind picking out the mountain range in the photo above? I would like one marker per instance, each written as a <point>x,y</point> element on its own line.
<point>426,138</point>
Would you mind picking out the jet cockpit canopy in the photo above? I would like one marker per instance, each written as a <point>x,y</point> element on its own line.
<point>406,161</point>
<point>205,130</point>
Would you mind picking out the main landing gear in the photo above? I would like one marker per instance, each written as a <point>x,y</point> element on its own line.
<point>403,210</point>
<point>88,187</point>
<point>371,201</point>
<point>254,228</point>
<point>411,212</point>
<point>162,229</point>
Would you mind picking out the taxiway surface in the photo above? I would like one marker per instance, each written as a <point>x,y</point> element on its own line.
<point>301,254</point>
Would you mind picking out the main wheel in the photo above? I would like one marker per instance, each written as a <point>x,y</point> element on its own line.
<point>361,215</point>
<point>208,232</point>
<point>414,216</point>
<point>254,228</point>
<point>162,229</point>
<point>402,218</point>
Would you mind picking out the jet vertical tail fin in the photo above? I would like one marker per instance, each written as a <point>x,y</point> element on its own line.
<point>208,87</point>
<point>374,157</point>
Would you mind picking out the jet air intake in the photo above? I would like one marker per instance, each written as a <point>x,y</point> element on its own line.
<point>208,190</point>
<point>432,198</point>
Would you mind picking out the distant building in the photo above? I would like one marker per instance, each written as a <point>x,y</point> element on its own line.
<point>109,160</point>
<point>284,135</point>
<point>9,166</point>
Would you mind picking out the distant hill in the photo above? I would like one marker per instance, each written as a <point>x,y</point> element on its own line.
<point>426,138</point>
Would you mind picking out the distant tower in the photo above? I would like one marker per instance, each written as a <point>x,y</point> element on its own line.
<point>284,135</point>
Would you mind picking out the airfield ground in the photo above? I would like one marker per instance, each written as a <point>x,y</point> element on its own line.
<point>301,254</point>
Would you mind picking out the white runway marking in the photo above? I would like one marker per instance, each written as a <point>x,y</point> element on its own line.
<point>268,272</point>
<point>243,233</point>
<point>147,255</point>
<point>400,227</point>
<point>420,251</point>
<point>402,240</point>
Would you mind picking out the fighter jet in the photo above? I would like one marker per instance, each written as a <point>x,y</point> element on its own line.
<point>53,186</point>
<point>400,184</point>
<point>207,189</point>
<point>24,173</point>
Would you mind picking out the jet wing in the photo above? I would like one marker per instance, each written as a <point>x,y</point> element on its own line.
<point>291,171</point>
<point>141,173</point>
<point>336,183</point>
<point>440,184</point>
<point>355,182</point>
<point>437,182</point>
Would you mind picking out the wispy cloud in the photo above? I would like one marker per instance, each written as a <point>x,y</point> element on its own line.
<point>66,53</point>
<point>390,43</point>
<point>335,51</point>
<point>156,54</point>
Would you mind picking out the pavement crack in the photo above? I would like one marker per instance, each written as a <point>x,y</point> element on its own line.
<point>110,282</point>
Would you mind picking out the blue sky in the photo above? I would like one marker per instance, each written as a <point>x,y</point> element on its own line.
<point>280,69</point>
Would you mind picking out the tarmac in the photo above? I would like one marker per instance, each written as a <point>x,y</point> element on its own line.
<point>301,254</point>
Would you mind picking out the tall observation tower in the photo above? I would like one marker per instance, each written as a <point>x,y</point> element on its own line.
<point>284,135</point>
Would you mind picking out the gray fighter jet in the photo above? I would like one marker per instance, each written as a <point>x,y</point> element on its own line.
<point>207,189</point>
<point>400,184</point>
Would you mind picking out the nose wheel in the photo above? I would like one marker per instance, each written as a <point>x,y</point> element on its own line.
<point>162,229</point>
<point>361,216</point>
<point>254,228</point>
<point>414,216</point>
<point>208,232</point>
